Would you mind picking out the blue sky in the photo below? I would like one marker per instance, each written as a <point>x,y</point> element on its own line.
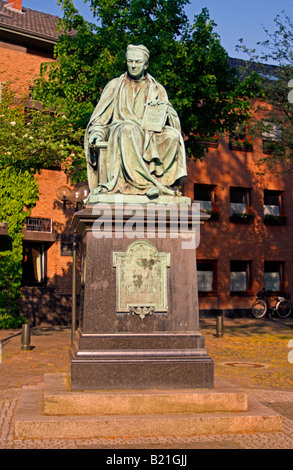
<point>235,19</point>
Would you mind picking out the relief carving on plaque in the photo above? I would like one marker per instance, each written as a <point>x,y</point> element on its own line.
<point>141,279</point>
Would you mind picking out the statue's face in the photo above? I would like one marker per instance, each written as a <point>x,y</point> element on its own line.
<point>136,64</point>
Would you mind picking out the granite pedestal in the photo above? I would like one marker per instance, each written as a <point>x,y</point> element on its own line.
<point>138,324</point>
<point>55,412</point>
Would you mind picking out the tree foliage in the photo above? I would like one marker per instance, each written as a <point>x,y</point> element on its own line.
<point>187,58</point>
<point>32,138</point>
<point>273,121</point>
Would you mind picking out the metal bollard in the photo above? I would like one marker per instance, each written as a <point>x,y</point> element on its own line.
<point>220,325</point>
<point>25,337</point>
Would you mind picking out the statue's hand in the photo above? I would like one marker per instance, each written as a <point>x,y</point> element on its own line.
<point>155,102</point>
<point>92,140</point>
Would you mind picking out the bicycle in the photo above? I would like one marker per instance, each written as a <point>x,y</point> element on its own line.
<point>268,302</point>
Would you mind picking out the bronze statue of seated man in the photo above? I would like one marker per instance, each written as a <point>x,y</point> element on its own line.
<point>145,151</point>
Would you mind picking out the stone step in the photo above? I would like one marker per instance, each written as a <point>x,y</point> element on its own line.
<point>31,423</point>
<point>59,400</point>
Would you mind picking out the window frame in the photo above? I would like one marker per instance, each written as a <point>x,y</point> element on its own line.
<point>211,188</point>
<point>240,140</point>
<point>213,292</point>
<point>272,133</point>
<point>248,271</point>
<point>240,132</point>
<point>66,246</point>
<point>281,271</point>
<point>280,204</point>
<point>271,138</point>
<point>248,198</point>
<point>43,264</point>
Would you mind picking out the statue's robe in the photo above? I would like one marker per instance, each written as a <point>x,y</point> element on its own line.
<point>137,159</point>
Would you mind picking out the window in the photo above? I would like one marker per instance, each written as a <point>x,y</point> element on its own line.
<point>271,139</point>
<point>239,139</point>
<point>272,132</point>
<point>239,200</point>
<point>240,277</point>
<point>34,270</point>
<point>205,195</point>
<point>66,245</point>
<point>207,277</point>
<point>273,203</point>
<point>274,275</point>
<point>239,133</point>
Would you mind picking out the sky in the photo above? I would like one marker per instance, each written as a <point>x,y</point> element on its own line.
<point>235,19</point>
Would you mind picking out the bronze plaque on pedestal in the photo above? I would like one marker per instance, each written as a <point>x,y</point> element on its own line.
<point>141,279</point>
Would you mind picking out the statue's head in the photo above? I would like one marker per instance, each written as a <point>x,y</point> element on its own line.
<point>137,59</point>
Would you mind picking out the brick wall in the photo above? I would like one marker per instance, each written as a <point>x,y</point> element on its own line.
<point>224,240</point>
<point>51,304</point>
<point>59,268</point>
<point>19,67</point>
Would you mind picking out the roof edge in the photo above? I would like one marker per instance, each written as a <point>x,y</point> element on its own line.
<point>30,34</point>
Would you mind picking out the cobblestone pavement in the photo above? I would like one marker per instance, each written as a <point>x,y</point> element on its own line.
<point>252,354</point>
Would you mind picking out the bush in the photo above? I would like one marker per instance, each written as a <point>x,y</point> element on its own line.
<point>8,322</point>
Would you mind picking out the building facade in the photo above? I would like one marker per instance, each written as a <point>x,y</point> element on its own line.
<point>245,245</point>
<point>27,39</point>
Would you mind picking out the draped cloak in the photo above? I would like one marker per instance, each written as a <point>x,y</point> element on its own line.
<point>137,159</point>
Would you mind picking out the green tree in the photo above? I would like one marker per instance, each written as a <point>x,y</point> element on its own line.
<point>273,121</point>
<point>186,58</point>
<point>35,138</point>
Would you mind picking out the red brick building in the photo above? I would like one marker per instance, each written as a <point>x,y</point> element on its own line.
<point>237,254</point>
<point>27,39</point>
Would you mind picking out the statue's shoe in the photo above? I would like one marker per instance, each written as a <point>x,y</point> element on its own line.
<point>152,193</point>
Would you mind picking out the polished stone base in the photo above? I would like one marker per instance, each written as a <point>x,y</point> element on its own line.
<point>56,412</point>
<point>140,361</point>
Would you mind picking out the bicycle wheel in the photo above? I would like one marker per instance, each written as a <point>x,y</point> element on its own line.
<point>284,308</point>
<point>259,308</point>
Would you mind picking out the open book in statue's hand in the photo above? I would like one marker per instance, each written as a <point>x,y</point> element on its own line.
<point>155,117</point>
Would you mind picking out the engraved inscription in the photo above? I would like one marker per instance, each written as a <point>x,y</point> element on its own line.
<point>141,279</point>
